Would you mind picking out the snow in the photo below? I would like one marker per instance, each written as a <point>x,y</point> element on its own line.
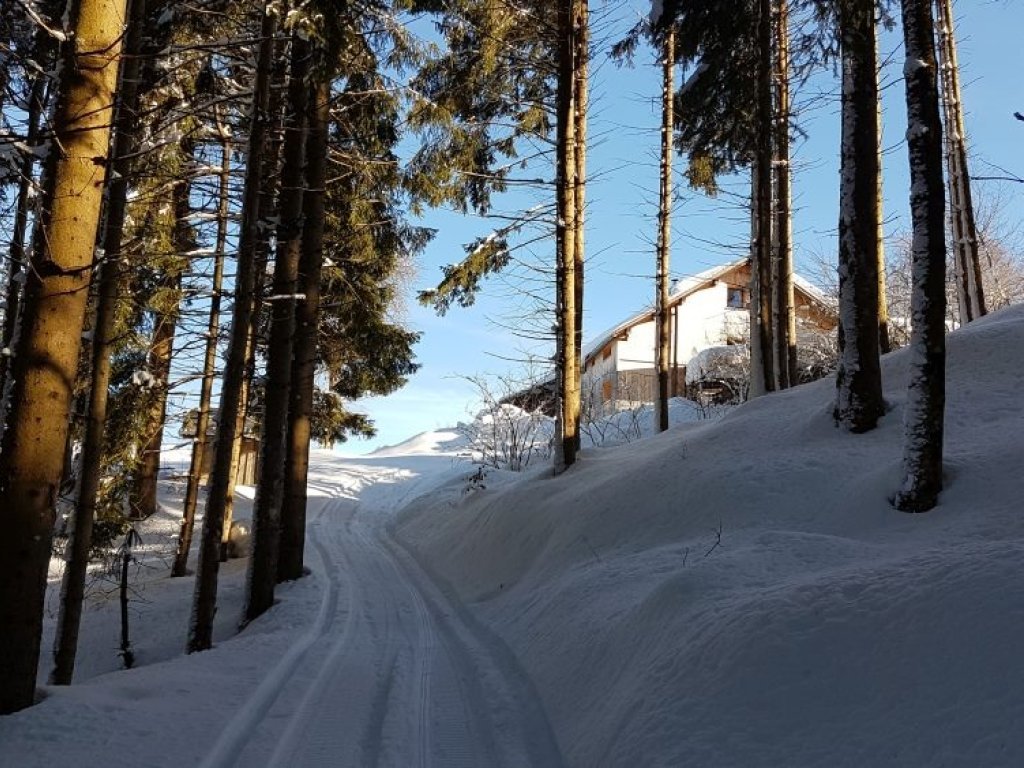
<point>733,592</point>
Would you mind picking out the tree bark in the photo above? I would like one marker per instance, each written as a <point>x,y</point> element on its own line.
<point>19,234</point>
<point>46,351</point>
<point>144,487</point>
<point>663,341</point>
<point>581,70</point>
<point>884,339</point>
<point>859,402</point>
<point>964,229</point>
<point>762,374</point>
<point>201,442</point>
<point>566,230</point>
<point>80,539</point>
<point>926,393</point>
<point>785,362</point>
<point>200,635</point>
<point>266,533</point>
<point>307,311</point>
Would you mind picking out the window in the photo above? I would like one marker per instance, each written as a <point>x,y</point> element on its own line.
<point>737,298</point>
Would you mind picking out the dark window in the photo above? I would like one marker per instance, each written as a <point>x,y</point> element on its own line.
<point>738,298</point>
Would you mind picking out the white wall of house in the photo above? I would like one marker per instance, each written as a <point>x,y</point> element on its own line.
<point>637,349</point>
<point>705,320</point>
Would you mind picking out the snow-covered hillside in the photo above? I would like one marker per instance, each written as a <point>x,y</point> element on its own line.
<point>742,593</point>
<point>729,593</point>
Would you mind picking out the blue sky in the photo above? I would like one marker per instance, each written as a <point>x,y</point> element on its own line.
<point>621,195</point>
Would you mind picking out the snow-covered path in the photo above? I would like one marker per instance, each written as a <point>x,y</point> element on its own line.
<point>393,672</point>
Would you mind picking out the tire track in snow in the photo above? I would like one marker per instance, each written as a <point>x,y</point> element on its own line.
<point>394,671</point>
<point>250,714</point>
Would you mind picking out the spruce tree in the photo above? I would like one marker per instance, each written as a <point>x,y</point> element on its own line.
<point>926,393</point>
<point>45,356</point>
<point>859,402</point>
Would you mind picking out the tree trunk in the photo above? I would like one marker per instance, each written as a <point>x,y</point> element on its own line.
<point>144,486</point>
<point>970,294</point>
<point>80,540</point>
<point>201,443</point>
<point>307,311</point>
<point>46,352</point>
<point>266,515</point>
<point>762,375</point>
<point>269,186</point>
<point>663,341</point>
<point>581,68</point>
<point>566,230</point>
<point>884,340</point>
<point>19,235</point>
<point>926,394</point>
<point>200,635</point>
<point>785,362</point>
<point>859,402</point>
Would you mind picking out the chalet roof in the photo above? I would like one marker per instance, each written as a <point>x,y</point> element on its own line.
<point>686,287</point>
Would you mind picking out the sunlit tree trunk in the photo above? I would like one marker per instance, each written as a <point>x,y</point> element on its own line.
<point>110,277</point>
<point>47,348</point>
<point>581,73</point>
<point>926,394</point>
<point>884,340</point>
<point>566,231</point>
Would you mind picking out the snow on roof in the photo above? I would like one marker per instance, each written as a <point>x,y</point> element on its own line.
<point>683,288</point>
<point>688,285</point>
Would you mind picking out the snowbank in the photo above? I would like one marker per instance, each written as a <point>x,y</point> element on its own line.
<point>742,593</point>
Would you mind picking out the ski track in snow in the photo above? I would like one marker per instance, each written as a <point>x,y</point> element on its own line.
<point>392,673</point>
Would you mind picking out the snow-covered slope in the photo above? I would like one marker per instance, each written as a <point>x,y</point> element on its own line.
<point>742,593</point>
<point>729,593</point>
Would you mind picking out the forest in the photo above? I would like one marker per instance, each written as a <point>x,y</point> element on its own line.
<point>215,201</point>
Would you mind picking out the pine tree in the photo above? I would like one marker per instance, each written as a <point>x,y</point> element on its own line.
<point>963,227</point>
<point>926,393</point>
<point>46,352</point>
<point>203,414</point>
<point>859,402</point>
<point>103,341</point>
<point>784,322</point>
<point>262,574</point>
<point>567,230</point>
<point>663,316</point>
<point>200,634</point>
<point>307,314</point>
<point>762,369</point>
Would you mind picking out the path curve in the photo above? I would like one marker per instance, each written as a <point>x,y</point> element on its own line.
<point>393,672</point>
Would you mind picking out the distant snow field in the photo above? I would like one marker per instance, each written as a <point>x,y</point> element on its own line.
<point>734,592</point>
